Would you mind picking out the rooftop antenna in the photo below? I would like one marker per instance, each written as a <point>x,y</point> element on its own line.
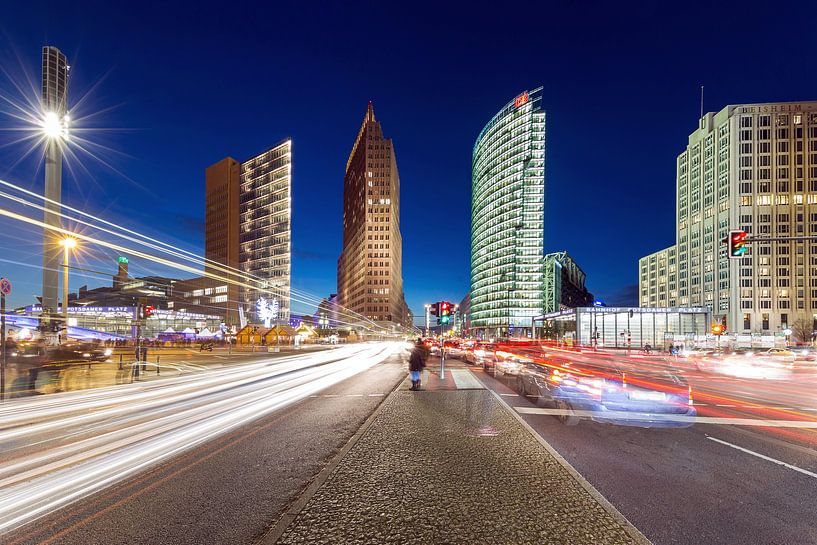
<point>702,101</point>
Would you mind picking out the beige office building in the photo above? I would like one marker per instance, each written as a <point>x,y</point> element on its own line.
<point>751,167</point>
<point>658,276</point>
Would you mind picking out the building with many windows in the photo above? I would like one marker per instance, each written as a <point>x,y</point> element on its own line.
<point>370,268</point>
<point>266,227</point>
<point>658,279</point>
<point>248,233</point>
<point>507,219</point>
<point>751,167</point>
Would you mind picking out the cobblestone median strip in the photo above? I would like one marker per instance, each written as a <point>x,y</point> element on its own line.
<point>454,467</point>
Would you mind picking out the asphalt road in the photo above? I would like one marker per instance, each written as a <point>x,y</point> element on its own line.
<point>227,489</point>
<point>709,483</point>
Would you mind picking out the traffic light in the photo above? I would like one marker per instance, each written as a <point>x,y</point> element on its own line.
<point>434,309</point>
<point>737,243</point>
<point>149,309</point>
<point>717,329</point>
<point>445,313</point>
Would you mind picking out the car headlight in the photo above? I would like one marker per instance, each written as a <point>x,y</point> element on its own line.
<point>108,351</point>
<point>86,355</point>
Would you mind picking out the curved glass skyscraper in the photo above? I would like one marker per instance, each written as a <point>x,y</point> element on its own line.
<point>507,219</point>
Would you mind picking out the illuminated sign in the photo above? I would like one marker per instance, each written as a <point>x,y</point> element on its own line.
<point>521,99</point>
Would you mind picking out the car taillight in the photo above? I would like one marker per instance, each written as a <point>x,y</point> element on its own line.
<point>689,389</point>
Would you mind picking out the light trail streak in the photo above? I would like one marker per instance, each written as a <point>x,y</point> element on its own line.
<point>61,448</point>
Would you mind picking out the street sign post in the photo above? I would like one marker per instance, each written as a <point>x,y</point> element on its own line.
<point>5,289</point>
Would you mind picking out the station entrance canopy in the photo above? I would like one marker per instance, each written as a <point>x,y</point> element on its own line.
<point>622,327</point>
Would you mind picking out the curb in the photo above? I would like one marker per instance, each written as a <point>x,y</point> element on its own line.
<point>277,530</point>
<point>628,526</point>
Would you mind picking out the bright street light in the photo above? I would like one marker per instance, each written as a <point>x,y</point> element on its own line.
<point>68,243</point>
<point>53,127</point>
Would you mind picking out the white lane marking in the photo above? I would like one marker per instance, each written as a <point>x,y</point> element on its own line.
<point>354,395</point>
<point>764,457</point>
<point>510,395</point>
<point>682,418</point>
<point>465,380</point>
<point>373,395</point>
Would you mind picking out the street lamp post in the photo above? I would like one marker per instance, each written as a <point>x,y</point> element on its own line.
<point>67,244</point>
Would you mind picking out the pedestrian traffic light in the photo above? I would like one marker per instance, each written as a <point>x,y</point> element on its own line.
<point>737,243</point>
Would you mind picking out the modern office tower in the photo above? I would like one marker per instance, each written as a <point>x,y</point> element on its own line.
<point>370,278</point>
<point>121,277</point>
<point>266,230</point>
<point>222,226</point>
<point>248,235</point>
<point>658,279</point>
<point>751,167</point>
<point>507,219</point>
<point>54,105</point>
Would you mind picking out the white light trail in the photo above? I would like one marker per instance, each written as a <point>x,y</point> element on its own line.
<point>64,447</point>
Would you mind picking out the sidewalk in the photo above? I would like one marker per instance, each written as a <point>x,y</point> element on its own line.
<point>452,466</point>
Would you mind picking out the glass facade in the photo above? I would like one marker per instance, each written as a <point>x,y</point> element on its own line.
<point>507,218</point>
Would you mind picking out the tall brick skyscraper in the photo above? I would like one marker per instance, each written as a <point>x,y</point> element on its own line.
<point>370,269</point>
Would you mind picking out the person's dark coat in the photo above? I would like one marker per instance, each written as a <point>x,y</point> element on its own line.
<point>417,359</point>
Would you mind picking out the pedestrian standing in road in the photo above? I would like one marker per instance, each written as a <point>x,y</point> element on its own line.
<point>417,361</point>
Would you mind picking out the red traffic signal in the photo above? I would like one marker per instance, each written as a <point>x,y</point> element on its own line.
<point>434,309</point>
<point>737,243</point>
<point>148,311</point>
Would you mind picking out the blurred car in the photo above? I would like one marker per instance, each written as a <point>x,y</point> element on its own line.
<point>510,362</point>
<point>484,354</point>
<point>433,346</point>
<point>805,354</point>
<point>460,349</point>
<point>782,354</point>
<point>77,353</point>
<point>651,398</point>
<point>452,349</point>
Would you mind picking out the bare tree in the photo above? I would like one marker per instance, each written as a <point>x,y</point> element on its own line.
<point>802,330</point>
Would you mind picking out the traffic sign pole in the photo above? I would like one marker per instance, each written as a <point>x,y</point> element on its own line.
<point>5,289</point>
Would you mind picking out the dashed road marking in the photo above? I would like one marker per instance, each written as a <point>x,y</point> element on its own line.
<point>764,457</point>
<point>510,395</point>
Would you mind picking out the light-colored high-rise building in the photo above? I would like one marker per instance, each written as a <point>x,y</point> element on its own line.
<point>507,219</point>
<point>370,266</point>
<point>266,228</point>
<point>658,276</point>
<point>751,167</point>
